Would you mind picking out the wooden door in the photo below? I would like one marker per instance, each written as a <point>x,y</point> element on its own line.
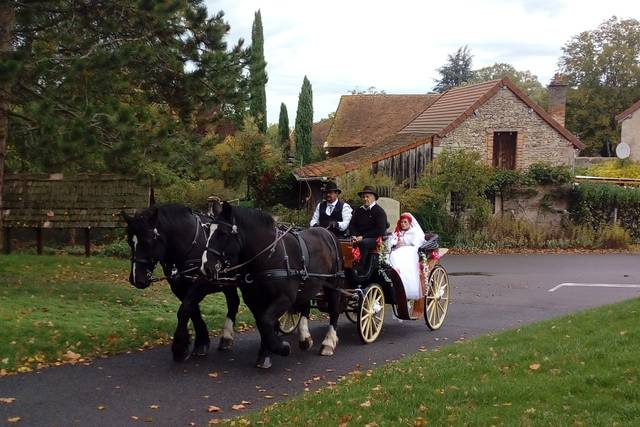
<point>504,150</point>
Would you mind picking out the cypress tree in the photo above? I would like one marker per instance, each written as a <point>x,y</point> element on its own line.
<point>283,128</point>
<point>258,75</point>
<point>304,122</point>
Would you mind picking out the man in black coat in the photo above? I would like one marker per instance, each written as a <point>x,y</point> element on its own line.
<point>368,223</point>
<point>332,214</point>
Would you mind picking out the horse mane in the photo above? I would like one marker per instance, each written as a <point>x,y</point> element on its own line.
<point>168,214</point>
<point>251,216</point>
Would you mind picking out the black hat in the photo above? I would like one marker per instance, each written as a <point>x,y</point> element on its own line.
<point>331,186</point>
<point>369,189</point>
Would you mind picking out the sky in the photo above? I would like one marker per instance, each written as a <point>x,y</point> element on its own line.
<point>397,46</point>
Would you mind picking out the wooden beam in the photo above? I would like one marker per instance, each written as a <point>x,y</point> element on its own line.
<point>7,240</point>
<point>87,241</point>
<point>39,240</point>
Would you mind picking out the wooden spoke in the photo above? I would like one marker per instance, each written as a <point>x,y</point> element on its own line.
<point>437,298</point>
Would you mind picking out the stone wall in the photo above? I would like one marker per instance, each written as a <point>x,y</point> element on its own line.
<point>631,134</point>
<point>536,142</point>
<point>545,205</point>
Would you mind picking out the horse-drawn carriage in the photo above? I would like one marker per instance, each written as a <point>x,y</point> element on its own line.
<point>373,286</point>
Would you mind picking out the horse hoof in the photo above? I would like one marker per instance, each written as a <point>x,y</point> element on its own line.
<point>306,344</point>
<point>200,350</point>
<point>226,344</point>
<point>326,351</point>
<point>285,350</point>
<point>264,363</point>
<point>180,356</point>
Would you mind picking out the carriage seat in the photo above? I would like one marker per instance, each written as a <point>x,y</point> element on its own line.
<point>431,243</point>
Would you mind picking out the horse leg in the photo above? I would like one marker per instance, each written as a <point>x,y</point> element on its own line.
<point>233,302</point>
<point>331,339</point>
<point>202,341</point>
<point>189,306</point>
<point>304,336</point>
<point>267,321</point>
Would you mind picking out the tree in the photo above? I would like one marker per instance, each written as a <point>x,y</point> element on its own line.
<point>525,80</point>
<point>104,86</point>
<point>7,16</point>
<point>304,122</point>
<point>283,129</point>
<point>258,75</point>
<point>456,72</point>
<point>603,71</point>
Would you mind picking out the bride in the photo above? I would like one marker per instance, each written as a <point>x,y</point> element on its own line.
<point>404,244</point>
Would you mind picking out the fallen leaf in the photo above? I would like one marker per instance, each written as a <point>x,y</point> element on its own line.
<point>238,407</point>
<point>133,417</point>
<point>366,404</point>
<point>101,408</point>
<point>268,396</point>
<point>213,374</point>
<point>7,399</point>
<point>212,408</point>
<point>215,421</point>
<point>245,402</point>
<point>534,366</point>
<point>71,356</point>
<point>13,419</point>
<point>154,406</point>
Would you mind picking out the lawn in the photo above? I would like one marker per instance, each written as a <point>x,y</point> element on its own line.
<point>579,370</point>
<point>56,309</point>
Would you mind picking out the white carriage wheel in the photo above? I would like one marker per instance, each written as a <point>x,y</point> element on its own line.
<point>288,322</point>
<point>371,314</point>
<point>436,298</point>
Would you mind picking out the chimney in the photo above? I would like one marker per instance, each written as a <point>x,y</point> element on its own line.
<point>558,98</point>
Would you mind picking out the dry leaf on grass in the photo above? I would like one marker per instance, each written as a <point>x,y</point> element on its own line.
<point>238,407</point>
<point>534,366</point>
<point>366,404</point>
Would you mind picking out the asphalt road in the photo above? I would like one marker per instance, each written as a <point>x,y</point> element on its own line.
<point>489,293</point>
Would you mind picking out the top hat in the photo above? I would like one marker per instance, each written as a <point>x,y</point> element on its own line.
<point>368,189</point>
<point>331,186</point>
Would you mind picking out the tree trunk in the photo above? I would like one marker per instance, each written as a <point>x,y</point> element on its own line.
<point>7,17</point>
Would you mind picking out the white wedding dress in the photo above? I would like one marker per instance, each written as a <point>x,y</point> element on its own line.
<point>405,260</point>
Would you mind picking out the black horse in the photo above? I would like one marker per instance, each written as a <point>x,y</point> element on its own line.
<point>176,237</point>
<point>269,265</point>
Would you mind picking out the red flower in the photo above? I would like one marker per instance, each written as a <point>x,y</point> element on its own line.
<point>356,253</point>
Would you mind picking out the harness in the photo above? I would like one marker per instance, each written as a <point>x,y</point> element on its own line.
<point>278,273</point>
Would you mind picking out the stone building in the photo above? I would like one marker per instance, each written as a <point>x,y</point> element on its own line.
<point>494,118</point>
<point>629,121</point>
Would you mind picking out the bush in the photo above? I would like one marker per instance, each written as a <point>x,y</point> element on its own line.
<point>613,237</point>
<point>119,249</point>
<point>545,174</point>
<point>616,168</point>
<point>353,182</point>
<point>194,194</point>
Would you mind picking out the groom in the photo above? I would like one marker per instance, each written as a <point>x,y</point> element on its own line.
<point>368,223</point>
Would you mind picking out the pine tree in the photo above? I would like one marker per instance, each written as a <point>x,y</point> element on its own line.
<point>103,85</point>
<point>283,129</point>
<point>304,122</point>
<point>258,75</point>
<point>456,72</point>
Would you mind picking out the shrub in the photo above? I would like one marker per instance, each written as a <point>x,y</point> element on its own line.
<point>194,193</point>
<point>545,174</point>
<point>352,183</point>
<point>119,249</point>
<point>616,168</point>
<point>613,237</point>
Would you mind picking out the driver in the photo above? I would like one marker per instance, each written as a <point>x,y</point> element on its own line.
<point>369,222</point>
<point>332,214</point>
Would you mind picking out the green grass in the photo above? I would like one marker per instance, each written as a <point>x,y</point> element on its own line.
<point>577,370</point>
<point>52,305</point>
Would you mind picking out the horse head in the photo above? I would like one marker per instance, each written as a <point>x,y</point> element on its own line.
<point>147,245</point>
<point>223,245</point>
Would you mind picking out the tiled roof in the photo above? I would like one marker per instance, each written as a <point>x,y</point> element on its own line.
<point>629,111</point>
<point>320,132</point>
<point>455,105</point>
<point>363,120</point>
<point>365,156</point>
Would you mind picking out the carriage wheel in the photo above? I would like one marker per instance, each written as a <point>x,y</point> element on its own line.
<point>288,322</point>
<point>352,310</point>
<point>371,314</point>
<point>436,298</point>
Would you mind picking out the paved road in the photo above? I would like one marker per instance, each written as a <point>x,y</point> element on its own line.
<point>490,293</point>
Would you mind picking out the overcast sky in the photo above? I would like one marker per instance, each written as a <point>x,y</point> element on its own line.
<point>396,46</point>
